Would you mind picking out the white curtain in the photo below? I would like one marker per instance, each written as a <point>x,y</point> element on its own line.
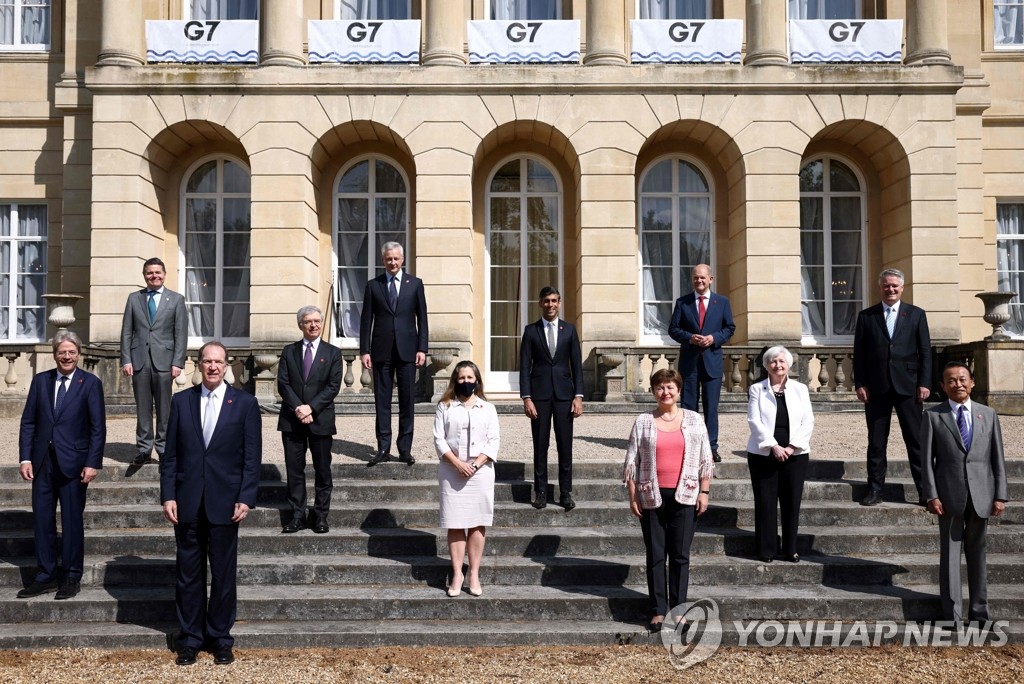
<point>31,269</point>
<point>674,9</point>
<point>1009,23</point>
<point>373,9</point>
<point>824,9</point>
<point>225,9</point>
<point>1010,260</point>
<point>35,22</point>
<point>507,10</point>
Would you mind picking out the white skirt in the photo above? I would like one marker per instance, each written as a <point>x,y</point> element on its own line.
<point>465,502</point>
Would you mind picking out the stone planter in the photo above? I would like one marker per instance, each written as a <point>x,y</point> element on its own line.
<point>62,310</point>
<point>997,312</point>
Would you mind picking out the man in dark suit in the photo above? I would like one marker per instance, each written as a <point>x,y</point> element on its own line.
<point>208,481</point>
<point>892,368</point>
<point>392,343</point>
<point>308,379</point>
<point>701,324</point>
<point>551,387</point>
<point>964,478</point>
<point>154,337</point>
<point>63,432</point>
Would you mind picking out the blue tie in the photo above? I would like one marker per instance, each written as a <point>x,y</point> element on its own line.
<point>890,321</point>
<point>152,305</point>
<point>392,293</point>
<point>965,432</point>
<point>62,390</point>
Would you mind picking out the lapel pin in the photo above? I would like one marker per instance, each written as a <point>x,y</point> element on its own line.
<point>230,401</point>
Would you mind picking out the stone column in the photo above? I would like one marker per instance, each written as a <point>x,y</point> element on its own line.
<point>282,33</point>
<point>766,32</point>
<point>445,33</point>
<point>606,33</point>
<point>927,33</point>
<point>121,32</point>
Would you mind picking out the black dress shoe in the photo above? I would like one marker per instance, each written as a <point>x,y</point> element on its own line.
<point>321,527</point>
<point>294,525</point>
<point>37,589</point>
<point>765,559</point>
<point>873,498</point>
<point>186,656</point>
<point>655,627</point>
<point>406,458</point>
<point>141,459</point>
<point>540,501</point>
<point>68,589</point>
<point>222,655</point>
<point>715,457</point>
<point>566,502</point>
<point>379,457</point>
<point>793,557</point>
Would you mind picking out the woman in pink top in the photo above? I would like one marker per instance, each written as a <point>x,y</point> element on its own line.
<point>668,472</point>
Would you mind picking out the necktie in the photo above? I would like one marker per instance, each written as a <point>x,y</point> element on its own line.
<point>62,390</point>
<point>701,312</point>
<point>552,341</point>
<point>209,419</point>
<point>890,321</point>
<point>392,293</point>
<point>152,305</point>
<point>307,361</point>
<point>965,432</point>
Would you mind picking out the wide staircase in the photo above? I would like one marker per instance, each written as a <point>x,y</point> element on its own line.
<point>549,577</point>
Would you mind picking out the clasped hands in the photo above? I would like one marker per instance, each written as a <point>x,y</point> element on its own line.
<point>781,453</point>
<point>304,413</point>
<point>702,341</point>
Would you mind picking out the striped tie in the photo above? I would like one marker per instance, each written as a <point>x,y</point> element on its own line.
<point>965,432</point>
<point>890,321</point>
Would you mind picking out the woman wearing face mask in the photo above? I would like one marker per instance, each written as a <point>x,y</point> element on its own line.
<point>466,439</point>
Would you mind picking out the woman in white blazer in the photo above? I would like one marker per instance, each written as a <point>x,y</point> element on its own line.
<point>781,422</point>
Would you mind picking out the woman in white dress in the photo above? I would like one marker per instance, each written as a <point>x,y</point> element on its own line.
<point>466,439</point>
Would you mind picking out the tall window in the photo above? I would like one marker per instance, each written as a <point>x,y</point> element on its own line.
<point>675,235</point>
<point>224,9</point>
<point>674,9</point>
<point>22,272</point>
<point>537,10</point>
<point>24,25</point>
<point>372,207</point>
<point>1009,23</point>
<point>524,211</point>
<point>216,238</point>
<point>373,9</point>
<point>1010,257</point>
<point>824,9</point>
<point>831,249</point>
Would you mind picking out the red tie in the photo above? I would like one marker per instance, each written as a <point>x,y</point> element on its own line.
<point>701,311</point>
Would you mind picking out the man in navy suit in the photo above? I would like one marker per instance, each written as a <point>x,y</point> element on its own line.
<point>551,387</point>
<point>208,481</point>
<point>892,368</point>
<point>154,336</point>
<point>392,343</point>
<point>701,324</point>
<point>308,379</point>
<point>63,432</point>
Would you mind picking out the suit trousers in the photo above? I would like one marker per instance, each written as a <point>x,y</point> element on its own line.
<point>782,484</point>
<point>385,373</point>
<point>206,623</point>
<point>50,486</point>
<point>878,412</point>
<point>295,445</point>
<point>963,531</point>
<point>699,385</point>
<point>152,389</point>
<point>668,533</point>
<point>558,413</point>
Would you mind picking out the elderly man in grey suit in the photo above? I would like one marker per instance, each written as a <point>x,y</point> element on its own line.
<point>964,481</point>
<point>154,335</point>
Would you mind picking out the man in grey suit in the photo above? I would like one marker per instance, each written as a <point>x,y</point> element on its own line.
<point>964,481</point>
<point>154,335</point>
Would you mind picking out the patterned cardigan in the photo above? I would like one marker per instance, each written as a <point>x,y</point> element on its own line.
<point>641,466</point>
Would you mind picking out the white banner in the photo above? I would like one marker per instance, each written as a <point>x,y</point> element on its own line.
<point>233,42</point>
<point>847,40</point>
<point>497,42</point>
<point>394,41</point>
<point>717,40</point>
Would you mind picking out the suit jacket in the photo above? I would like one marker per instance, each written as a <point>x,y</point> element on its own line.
<point>949,471</point>
<point>406,325</point>
<point>543,377</point>
<point>221,475</point>
<point>762,407</point>
<point>163,341</point>
<point>901,364</point>
<point>718,323</point>
<point>318,390</point>
<point>78,432</point>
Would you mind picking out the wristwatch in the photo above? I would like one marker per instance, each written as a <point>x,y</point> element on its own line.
<point>475,467</point>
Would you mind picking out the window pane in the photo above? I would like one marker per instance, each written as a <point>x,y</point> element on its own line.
<point>539,178</point>
<point>356,179</point>
<point>236,178</point>
<point>352,215</point>
<point>236,250</point>
<point>236,215</point>
<point>507,178</point>
<point>691,179</point>
<point>658,178</point>
<point>812,248</point>
<point>32,323</point>
<point>505,318</point>
<point>225,9</point>
<point>504,354</point>
<point>844,317</point>
<point>811,177</point>
<point>236,285</point>
<point>656,213</point>
<point>374,9</point>
<point>674,9</point>
<point>656,250</point>
<point>32,259</point>
<point>388,178</point>
<point>504,283</point>
<point>5,220</point>
<point>542,248</point>
<point>504,248</point>
<point>695,213</point>
<point>538,277</point>
<point>694,248</point>
<point>203,179</point>
<point>390,216</point>
<point>846,283</point>
<point>845,213</point>
<point>846,248</point>
<point>32,220</point>
<point>236,320</point>
<point>506,10</point>
<point>505,214</point>
<point>1009,23</point>
<point>841,178</point>
<point>1010,261</point>
<point>200,320</point>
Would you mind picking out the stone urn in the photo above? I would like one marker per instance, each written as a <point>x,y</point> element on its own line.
<point>62,310</point>
<point>997,312</point>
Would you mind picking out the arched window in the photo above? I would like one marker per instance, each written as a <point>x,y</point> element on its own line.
<point>371,201</point>
<point>524,239</point>
<point>676,224</point>
<point>216,235</point>
<point>832,210</point>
